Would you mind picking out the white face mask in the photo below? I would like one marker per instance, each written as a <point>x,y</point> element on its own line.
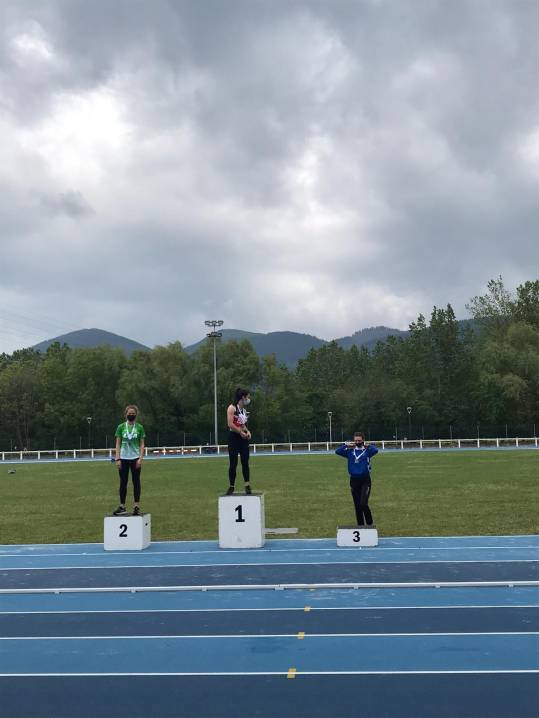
<point>246,402</point>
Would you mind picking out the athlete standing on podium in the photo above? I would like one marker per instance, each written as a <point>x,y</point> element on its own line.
<point>359,456</point>
<point>238,438</point>
<point>129,453</point>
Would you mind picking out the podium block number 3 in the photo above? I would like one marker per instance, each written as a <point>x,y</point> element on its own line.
<point>123,531</point>
<point>238,510</point>
<point>357,536</point>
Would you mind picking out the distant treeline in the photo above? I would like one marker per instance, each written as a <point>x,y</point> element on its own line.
<point>440,381</point>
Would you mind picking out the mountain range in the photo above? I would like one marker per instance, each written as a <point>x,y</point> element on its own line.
<point>92,338</point>
<point>288,347</point>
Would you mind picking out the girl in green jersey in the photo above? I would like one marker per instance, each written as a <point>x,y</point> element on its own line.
<point>129,454</point>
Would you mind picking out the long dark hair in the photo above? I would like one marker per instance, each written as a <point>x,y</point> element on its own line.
<point>240,394</point>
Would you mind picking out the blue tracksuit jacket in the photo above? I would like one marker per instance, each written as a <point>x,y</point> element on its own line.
<point>359,460</point>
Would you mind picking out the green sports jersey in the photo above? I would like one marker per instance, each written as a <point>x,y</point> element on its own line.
<point>130,436</point>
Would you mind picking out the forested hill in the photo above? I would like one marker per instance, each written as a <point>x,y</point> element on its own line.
<point>92,338</point>
<point>369,337</point>
<point>290,347</point>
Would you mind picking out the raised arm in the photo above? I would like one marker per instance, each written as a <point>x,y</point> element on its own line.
<point>343,450</point>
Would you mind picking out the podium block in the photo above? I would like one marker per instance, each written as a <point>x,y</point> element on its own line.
<point>357,536</point>
<point>242,521</point>
<point>127,533</point>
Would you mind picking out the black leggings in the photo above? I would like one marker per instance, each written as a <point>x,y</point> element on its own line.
<point>361,489</point>
<point>237,445</point>
<point>127,464</point>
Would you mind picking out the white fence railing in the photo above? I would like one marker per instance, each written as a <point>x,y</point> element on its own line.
<point>273,448</point>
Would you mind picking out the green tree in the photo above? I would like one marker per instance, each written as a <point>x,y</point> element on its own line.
<point>92,381</point>
<point>495,309</point>
<point>509,377</point>
<point>526,306</point>
<point>160,384</point>
<point>19,397</point>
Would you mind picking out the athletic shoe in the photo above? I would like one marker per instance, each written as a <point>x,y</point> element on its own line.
<point>248,490</point>
<point>229,491</point>
<point>137,511</point>
<point>120,511</point>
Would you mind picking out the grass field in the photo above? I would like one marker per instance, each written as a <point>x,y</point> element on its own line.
<point>415,494</point>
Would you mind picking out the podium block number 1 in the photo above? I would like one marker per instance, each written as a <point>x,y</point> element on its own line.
<point>238,510</point>
<point>241,521</point>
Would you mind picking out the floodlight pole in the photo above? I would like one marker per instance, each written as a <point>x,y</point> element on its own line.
<point>330,414</point>
<point>214,324</point>
<point>89,420</point>
<point>409,410</point>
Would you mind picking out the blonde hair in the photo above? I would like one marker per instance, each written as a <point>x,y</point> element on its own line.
<point>131,406</point>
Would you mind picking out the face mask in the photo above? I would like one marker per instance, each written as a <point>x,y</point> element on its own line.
<point>359,442</point>
<point>131,417</point>
<point>246,402</point>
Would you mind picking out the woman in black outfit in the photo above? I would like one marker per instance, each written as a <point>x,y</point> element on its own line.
<point>238,438</point>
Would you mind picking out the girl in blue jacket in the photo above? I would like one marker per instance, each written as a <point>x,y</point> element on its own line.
<point>359,456</point>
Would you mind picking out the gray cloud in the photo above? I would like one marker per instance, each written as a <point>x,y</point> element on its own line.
<point>71,203</point>
<point>286,165</point>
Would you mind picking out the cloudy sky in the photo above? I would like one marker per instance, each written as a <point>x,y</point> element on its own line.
<point>302,165</point>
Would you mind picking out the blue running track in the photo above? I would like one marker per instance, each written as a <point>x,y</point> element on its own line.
<point>418,627</point>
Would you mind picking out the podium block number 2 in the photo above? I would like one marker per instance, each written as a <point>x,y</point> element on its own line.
<point>123,531</point>
<point>238,510</point>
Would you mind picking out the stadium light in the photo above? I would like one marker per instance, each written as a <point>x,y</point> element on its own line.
<point>89,420</point>
<point>330,414</point>
<point>214,334</point>
<point>409,410</point>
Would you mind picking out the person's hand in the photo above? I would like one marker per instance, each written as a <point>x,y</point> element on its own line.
<point>118,463</point>
<point>350,444</point>
<point>139,463</point>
